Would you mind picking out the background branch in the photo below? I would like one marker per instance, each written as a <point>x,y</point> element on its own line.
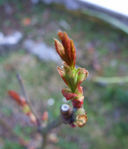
<point>110,80</point>
<point>24,93</point>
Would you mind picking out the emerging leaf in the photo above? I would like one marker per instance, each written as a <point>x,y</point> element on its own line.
<point>72,76</point>
<point>66,50</point>
<point>68,94</point>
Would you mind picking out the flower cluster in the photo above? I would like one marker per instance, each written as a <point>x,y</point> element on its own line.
<point>72,76</point>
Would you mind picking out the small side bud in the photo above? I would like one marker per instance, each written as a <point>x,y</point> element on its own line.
<point>81,117</point>
<point>81,120</point>
<point>45,116</point>
<point>68,94</point>
<point>26,109</point>
<point>82,74</point>
<point>33,118</point>
<point>59,48</point>
<point>15,96</point>
<point>77,103</point>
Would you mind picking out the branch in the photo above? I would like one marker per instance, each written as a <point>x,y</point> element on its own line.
<point>110,80</point>
<point>45,131</point>
<point>54,124</point>
<point>64,118</point>
<point>20,81</point>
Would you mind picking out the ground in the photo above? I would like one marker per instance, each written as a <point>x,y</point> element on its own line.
<point>100,48</point>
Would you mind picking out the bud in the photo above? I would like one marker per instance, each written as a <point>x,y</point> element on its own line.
<point>73,52</point>
<point>80,111</point>
<point>66,50</point>
<point>62,74</point>
<point>20,100</point>
<point>59,48</point>
<point>82,74</point>
<point>32,118</point>
<point>26,109</point>
<point>68,94</point>
<point>73,77</point>
<point>81,120</point>
<point>45,116</point>
<point>77,103</point>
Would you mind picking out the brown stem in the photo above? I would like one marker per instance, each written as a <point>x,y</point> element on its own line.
<point>44,141</point>
<point>66,114</point>
<point>44,131</point>
<point>52,125</point>
<point>20,81</point>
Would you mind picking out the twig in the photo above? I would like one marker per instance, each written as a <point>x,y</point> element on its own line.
<point>44,132</point>
<point>52,125</point>
<point>20,81</point>
<point>66,114</point>
<point>44,141</point>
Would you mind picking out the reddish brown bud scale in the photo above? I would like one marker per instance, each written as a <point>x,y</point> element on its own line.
<point>62,74</point>
<point>21,101</point>
<point>66,50</point>
<point>45,116</point>
<point>68,95</point>
<point>77,103</point>
<point>15,96</point>
<point>73,52</point>
<point>25,107</point>
<point>59,49</point>
<point>60,35</point>
<point>65,41</point>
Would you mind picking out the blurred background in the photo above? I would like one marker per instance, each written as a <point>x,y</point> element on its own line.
<point>27,30</point>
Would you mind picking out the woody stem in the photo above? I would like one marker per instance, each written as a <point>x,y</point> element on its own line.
<point>20,81</point>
